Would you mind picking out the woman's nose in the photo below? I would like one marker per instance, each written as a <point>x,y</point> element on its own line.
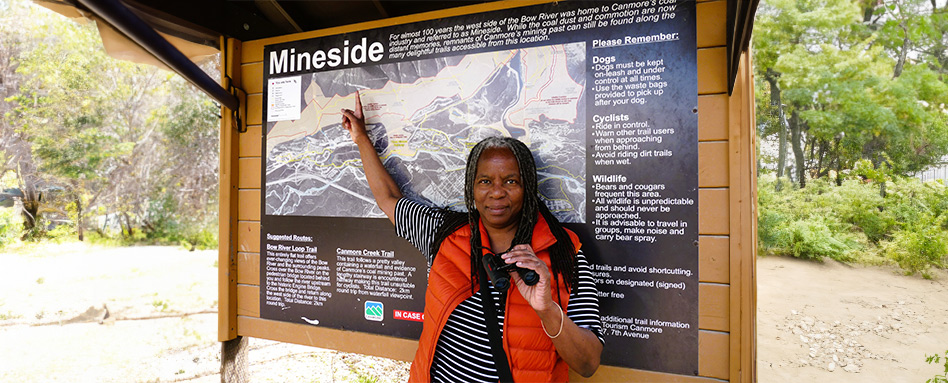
<point>496,190</point>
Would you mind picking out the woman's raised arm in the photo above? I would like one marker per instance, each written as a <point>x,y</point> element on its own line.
<point>384,188</point>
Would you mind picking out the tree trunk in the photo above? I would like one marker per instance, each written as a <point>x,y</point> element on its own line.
<point>79,218</point>
<point>782,147</point>
<point>31,204</point>
<point>906,44</point>
<point>820,157</point>
<point>128,225</point>
<point>839,161</point>
<point>868,11</point>
<point>796,143</point>
<point>771,77</point>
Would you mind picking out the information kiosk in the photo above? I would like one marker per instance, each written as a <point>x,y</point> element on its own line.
<point>644,148</point>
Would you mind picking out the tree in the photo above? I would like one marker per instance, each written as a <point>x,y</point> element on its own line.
<point>190,136</point>
<point>126,142</point>
<point>15,151</point>
<point>852,87</point>
<point>788,30</point>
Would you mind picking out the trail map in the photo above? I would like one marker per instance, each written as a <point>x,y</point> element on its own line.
<point>424,116</point>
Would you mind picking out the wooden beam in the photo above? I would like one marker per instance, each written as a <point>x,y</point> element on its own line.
<point>228,202</point>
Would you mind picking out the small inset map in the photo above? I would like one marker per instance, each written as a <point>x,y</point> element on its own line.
<point>424,117</point>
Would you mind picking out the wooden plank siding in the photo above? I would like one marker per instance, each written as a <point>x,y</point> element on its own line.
<point>724,150</point>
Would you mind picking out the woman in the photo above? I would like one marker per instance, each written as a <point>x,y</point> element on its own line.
<point>539,339</point>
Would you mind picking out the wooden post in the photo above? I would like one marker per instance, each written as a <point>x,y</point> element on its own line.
<point>233,348</point>
<point>227,215</point>
<point>234,366</point>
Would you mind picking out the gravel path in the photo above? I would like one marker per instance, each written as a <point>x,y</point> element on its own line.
<point>832,322</point>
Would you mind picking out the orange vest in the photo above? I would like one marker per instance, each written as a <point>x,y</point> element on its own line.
<point>529,350</point>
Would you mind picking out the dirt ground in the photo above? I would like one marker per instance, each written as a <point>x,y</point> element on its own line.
<point>826,322</point>
<point>832,322</point>
<point>161,324</point>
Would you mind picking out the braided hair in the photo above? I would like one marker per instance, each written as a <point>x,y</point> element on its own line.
<point>562,253</point>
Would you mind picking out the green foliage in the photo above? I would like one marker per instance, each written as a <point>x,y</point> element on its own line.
<point>133,149</point>
<point>201,240</point>
<point>866,79</point>
<point>816,232</point>
<point>813,239</point>
<point>61,233</point>
<point>919,246</point>
<point>9,226</point>
<point>160,305</point>
<point>854,222</point>
<point>936,359</point>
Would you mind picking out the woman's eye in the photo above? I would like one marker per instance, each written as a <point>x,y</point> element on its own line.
<point>483,181</point>
<point>511,182</point>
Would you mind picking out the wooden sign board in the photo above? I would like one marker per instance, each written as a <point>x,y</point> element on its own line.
<point>724,181</point>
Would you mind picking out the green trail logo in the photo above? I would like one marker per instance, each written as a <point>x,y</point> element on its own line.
<point>374,311</point>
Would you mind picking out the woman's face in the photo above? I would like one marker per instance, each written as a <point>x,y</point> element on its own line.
<point>498,189</point>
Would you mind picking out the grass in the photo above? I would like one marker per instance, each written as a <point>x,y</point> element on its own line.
<point>160,305</point>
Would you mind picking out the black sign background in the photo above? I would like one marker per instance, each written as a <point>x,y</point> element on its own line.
<point>668,317</point>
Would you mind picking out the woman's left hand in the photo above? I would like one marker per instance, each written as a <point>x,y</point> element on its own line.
<point>539,296</point>
<point>579,347</point>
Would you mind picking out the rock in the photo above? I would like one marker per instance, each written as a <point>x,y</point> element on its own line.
<point>92,314</point>
<point>835,358</point>
<point>804,339</point>
<point>831,367</point>
<point>852,368</point>
<point>794,312</point>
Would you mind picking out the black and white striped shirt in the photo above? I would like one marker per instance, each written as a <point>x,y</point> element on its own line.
<point>463,351</point>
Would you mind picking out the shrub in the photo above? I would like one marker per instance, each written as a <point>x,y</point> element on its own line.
<point>203,239</point>
<point>813,239</point>
<point>936,359</point>
<point>10,225</point>
<point>864,208</point>
<point>855,222</point>
<point>919,247</point>
<point>802,223</point>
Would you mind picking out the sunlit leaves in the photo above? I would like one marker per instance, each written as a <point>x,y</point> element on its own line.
<point>841,69</point>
